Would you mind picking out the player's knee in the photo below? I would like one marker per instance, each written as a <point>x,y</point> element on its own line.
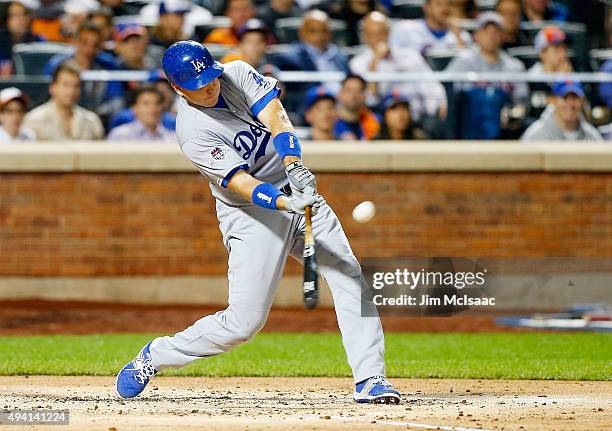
<point>243,324</point>
<point>249,328</point>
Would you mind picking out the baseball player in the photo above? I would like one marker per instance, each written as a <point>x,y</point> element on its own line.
<point>233,128</point>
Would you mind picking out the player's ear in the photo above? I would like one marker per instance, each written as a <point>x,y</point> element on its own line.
<point>177,89</point>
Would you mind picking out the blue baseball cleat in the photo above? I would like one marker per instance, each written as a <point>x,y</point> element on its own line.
<point>376,390</point>
<point>134,376</point>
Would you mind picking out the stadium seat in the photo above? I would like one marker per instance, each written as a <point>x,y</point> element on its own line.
<point>287,30</point>
<point>599,57</point>
<point>37,88</point>
<point>407,9</point>
<point>485,5</point>
<point>439,58</point>
<point>31,58</point>
<point>275,51</point>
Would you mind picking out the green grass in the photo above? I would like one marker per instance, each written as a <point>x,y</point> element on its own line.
<point>581,356</point>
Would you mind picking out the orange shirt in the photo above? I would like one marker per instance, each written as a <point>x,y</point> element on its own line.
<point>50,29</point>
<point>223,36</point>
<point>369,124</point>
<point>231,56</point>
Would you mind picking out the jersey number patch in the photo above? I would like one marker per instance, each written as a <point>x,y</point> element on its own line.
<point>246,142</point>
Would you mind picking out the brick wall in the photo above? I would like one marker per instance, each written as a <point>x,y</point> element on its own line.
<point>78,224</point>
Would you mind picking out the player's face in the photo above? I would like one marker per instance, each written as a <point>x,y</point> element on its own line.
<point>206,96</point>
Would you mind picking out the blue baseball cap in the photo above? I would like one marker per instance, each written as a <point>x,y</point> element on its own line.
<point>314,94</point>
<point>563,88</point>
<point>392,99</point>
<point>189,65</point>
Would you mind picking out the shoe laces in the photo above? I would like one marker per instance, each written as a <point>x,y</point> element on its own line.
<point>376,380</point>
<point>144,368</point>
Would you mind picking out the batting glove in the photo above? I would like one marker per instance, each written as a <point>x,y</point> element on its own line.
<point>301,180</point>
<point>297,205</point>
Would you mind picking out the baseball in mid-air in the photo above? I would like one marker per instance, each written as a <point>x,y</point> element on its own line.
<point>364,212</point>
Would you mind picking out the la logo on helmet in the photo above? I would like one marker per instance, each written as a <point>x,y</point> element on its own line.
<point>197,65</point>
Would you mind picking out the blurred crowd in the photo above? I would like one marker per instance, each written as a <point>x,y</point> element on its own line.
<point>61,39</point>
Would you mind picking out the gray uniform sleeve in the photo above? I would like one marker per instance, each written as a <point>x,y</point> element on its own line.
<point>258,90</point>
<point>216,161</point>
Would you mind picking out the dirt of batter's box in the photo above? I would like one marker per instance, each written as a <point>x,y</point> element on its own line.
<point>63,317</point>
<point>314,404</point>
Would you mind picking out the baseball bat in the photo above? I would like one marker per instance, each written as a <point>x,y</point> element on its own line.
<point>311,268</point>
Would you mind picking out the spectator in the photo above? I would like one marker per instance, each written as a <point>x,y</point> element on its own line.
<point>563,120</point>
<point>314,51</point>
<point>274,10</point>
<point>46,22</point>
<point>169,28</point>
<point>75,15</point>
<point>427,98</point>
<point>18,30</point>
<point>320,113</point>
<point>103,19</point>
<point>252,44</point>
<point>102,97</point>
<point>351,12</point>
<point>239,12</point>
<point>131,48</point>
<point>355,122</point>
<point>433,31</point>
<point>13,106</point>
<point>605,88</point>
<point>482,103</point>
<point>120,8</point>
<point>397,121</point>
<point>537,11</point>
<point>463,9</point>
<point>158,80</point>
<point>512,36</point>
<point>550,44</point>
<point>61,119</point>
<point>147,125</point>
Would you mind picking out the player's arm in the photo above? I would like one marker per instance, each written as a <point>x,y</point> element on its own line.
<point>266,195</point>
<point>287,145</point>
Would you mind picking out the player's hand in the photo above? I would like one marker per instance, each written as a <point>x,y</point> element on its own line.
<point>297,205</point>
<point>302,181</point>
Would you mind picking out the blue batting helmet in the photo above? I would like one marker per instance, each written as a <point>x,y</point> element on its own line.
<point>189,65</point>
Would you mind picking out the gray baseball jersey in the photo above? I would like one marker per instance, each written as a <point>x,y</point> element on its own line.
<point>228,137</point>
<point>220,141</point>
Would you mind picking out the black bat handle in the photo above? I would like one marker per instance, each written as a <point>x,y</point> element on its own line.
<point>311,268</point>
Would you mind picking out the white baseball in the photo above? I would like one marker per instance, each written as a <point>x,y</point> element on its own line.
<point>364,212</point>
